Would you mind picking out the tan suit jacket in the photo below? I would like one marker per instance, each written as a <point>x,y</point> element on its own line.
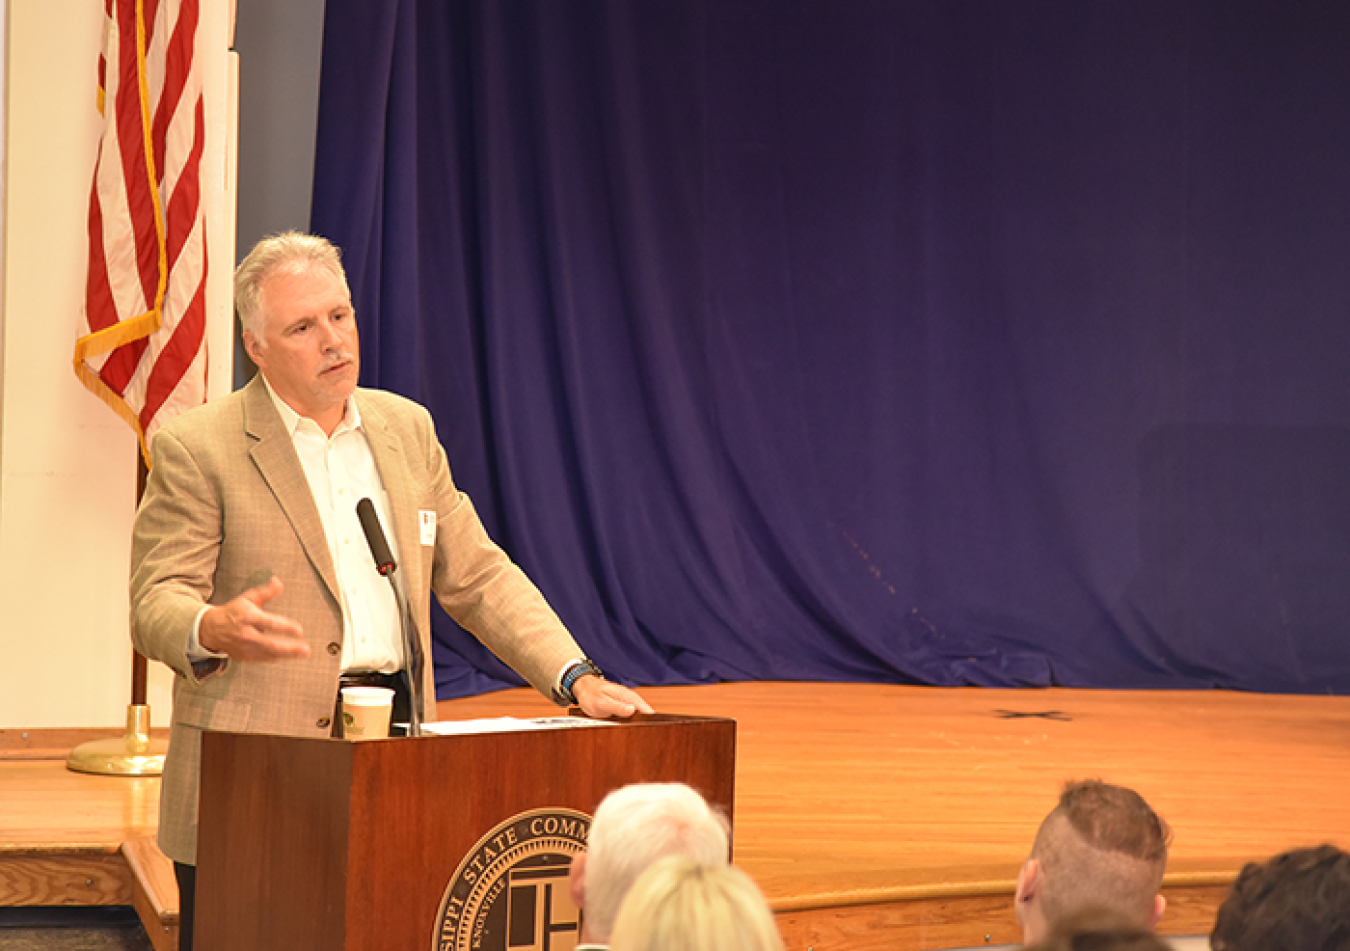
<point>227,505</point>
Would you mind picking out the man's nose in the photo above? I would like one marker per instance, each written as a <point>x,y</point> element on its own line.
<point>329,338</point>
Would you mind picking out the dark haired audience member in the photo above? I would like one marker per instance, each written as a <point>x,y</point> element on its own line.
<point>1100,929</point>
<point>1296,901</point>
<point>1101,847</point>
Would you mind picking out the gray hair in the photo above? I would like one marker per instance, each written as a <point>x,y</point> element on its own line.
<point>636,826</point>
<point>270,255</point>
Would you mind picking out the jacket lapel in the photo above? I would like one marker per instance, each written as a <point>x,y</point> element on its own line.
<point>273,453</point>
<point>401,491</point>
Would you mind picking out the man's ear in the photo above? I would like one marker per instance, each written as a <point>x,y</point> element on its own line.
<point>1026,904</point>
<point>1028,881</point>
<point>1159,906</point>
<point>251,346</point>
<point>576,880</point>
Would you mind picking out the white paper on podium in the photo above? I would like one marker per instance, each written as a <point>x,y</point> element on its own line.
<point>509,725</point>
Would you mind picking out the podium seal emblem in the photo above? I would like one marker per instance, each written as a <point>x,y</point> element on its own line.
<point>510,891</point>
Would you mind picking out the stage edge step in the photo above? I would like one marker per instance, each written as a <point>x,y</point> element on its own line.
<point>155,895</point>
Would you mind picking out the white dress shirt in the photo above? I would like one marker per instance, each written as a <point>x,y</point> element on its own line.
<point>341,471</point>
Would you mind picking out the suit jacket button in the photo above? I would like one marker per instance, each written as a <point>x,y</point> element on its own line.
<point>334,649</point>
<point>324,723</point>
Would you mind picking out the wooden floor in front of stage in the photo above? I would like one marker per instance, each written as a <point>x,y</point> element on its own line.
<point>880,816</point>
<point>889,816</point>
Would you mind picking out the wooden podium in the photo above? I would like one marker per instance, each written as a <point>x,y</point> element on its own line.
<point>384,844</point>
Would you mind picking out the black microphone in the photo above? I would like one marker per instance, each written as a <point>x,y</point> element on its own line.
<point>379,548</point>
<point>412,647</point>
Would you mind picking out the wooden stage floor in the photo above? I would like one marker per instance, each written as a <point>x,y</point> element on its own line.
<point>879,816</point>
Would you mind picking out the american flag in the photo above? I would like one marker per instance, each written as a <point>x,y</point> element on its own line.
<point>142,342</point>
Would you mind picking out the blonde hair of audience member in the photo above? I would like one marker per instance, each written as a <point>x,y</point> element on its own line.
<point>1100,929</point>
<point>1102,846</point>
<point>634,827</point>
<point>679,905</point>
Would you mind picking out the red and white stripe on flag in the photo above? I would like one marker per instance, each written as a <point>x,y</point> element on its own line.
<point>142,346</point>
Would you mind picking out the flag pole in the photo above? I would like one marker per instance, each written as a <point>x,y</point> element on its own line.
<point>134,753</point>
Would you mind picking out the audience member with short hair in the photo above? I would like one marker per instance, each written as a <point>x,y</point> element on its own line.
<point>1102,846</point>
<point>679,905</point>
<point>1296,901</point>
<point>633,828</point>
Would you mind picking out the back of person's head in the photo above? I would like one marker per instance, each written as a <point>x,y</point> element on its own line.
<point>1100,929</point>
<point>271,255</point>
<point>1102,846</point>
<point>680,905</point>
<point>633,828</point>
<point>1296,901</point>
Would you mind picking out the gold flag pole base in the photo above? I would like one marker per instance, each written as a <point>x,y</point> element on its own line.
<point>133,754</point>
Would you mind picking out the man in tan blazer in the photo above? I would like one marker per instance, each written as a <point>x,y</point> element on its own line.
<point>238,578</point>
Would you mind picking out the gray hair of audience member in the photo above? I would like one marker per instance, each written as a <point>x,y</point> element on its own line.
<point>270,255</point>
<point>636,826</point>
<point>679,905</point>
<point>1100,929</point>
<point>1101,846</point>
<point>1297,901</point>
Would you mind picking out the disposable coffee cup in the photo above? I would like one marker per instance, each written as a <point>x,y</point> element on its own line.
<point>365,712</point>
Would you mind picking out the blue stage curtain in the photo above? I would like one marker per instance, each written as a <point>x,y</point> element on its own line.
<point>995,343</point>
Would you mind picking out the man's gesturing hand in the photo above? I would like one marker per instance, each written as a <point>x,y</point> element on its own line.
<point>242,630</point>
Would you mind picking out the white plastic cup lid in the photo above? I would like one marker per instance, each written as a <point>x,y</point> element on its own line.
<point>368,696</point>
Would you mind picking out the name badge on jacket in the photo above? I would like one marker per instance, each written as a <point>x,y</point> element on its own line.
<point>426,525</point>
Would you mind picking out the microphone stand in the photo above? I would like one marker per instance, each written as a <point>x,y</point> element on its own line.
<point>414,662</point>
<point>412,652</point>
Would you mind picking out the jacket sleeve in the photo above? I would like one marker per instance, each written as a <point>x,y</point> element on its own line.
<point>175,547</point>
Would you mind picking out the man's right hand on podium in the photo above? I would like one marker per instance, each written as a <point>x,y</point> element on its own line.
<point>603,699</point>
